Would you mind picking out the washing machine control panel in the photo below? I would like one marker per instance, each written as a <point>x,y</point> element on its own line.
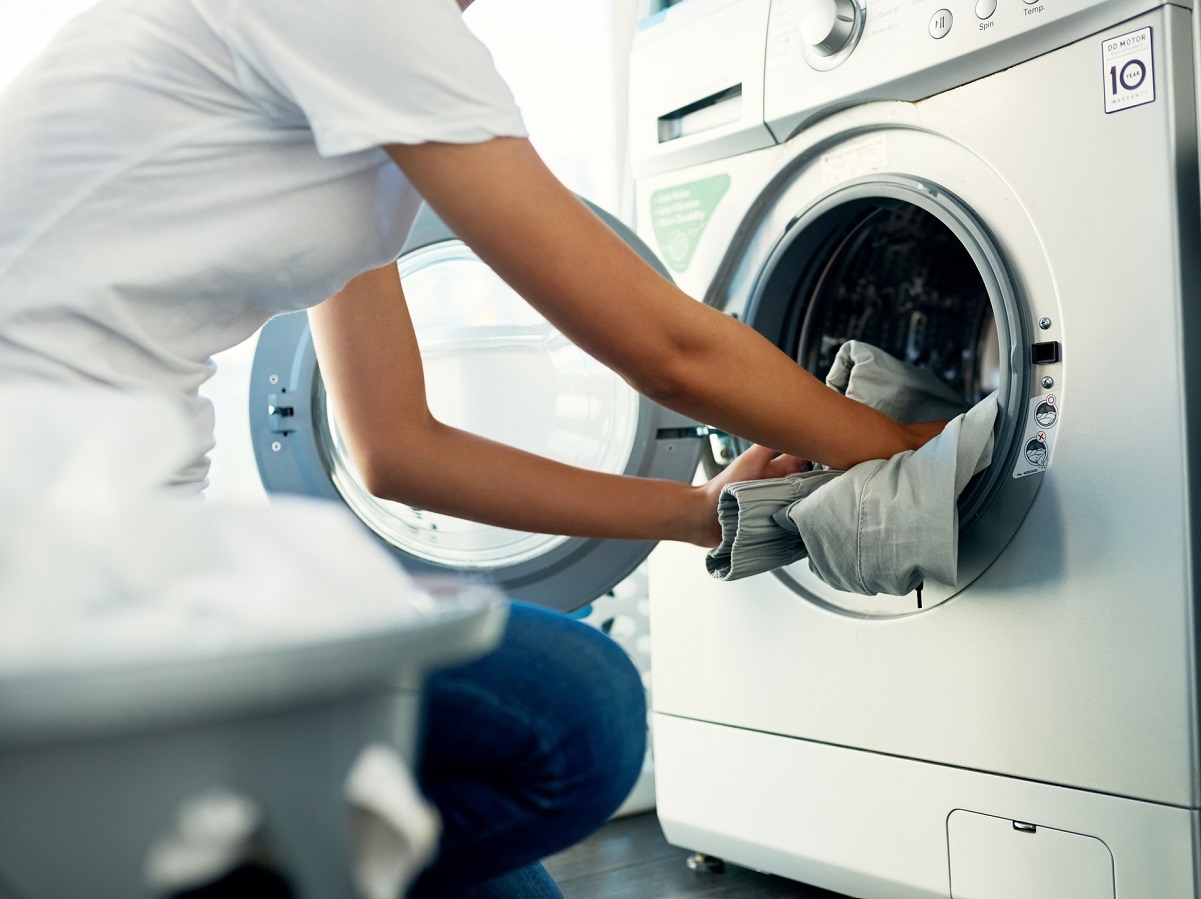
<point>823,54</point>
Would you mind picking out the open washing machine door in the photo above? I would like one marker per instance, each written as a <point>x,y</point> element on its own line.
<point>905,265</point>
<point>496,368</point>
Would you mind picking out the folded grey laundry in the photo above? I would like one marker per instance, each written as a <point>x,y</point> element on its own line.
<point>883,526</point>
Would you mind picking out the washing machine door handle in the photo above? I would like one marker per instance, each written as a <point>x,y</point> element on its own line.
<point>299,451</point>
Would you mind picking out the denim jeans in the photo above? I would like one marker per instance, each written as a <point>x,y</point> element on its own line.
<point>525,752</point>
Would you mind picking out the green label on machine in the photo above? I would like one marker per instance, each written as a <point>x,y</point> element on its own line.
<point>680,214</point>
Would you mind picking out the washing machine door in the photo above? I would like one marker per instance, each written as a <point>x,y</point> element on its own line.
<point>494,367</point>
<point>905,264</point>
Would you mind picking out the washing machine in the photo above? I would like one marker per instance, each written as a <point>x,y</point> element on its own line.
<point>1004,192</point>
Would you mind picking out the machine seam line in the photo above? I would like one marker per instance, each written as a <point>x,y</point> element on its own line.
<point>906,758</point>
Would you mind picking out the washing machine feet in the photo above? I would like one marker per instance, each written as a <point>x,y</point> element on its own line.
<point>705,864</point>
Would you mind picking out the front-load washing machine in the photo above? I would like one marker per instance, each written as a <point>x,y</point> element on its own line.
<point>1004,192</point>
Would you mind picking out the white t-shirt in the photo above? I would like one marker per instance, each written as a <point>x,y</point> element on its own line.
<point>175,172</point>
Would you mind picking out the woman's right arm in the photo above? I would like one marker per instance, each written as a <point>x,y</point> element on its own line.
<point>371,368</point>
<point>502,201</point>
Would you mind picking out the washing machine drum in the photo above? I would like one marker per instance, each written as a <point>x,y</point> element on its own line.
<point>915,274</point>
<point>494,367</point>
<point>899,279</point>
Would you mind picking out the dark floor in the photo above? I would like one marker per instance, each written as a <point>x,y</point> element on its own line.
<point>629,859</point>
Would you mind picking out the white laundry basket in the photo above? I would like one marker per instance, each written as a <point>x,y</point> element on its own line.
<point>96,761</point>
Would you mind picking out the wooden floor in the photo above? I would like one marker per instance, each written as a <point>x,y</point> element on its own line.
<point>626,859</point>
<point>629,859</point>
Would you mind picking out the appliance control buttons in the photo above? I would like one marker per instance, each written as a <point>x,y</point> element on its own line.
<point>827,25</point>
<point>940,24</point>
<point>985,8</point>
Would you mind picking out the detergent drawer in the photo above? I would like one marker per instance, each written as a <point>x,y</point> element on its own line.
<point>999,858</point>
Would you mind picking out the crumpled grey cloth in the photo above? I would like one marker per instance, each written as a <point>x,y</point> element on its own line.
<point>884,526</point>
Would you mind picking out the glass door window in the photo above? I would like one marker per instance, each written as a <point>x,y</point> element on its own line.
<point>494,367</point>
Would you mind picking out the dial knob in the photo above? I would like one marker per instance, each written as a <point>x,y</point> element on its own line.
<point>827,25</point>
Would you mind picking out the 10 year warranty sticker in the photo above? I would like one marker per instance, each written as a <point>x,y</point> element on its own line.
<point>1129,77</point>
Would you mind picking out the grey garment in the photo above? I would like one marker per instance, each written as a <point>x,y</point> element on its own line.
<point>885,525</point>
<point>903,392</point>
<point>753,539</point>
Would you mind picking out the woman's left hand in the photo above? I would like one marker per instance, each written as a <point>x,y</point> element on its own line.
<point>757,463</point>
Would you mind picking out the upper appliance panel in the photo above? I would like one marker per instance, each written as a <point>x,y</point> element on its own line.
<point>911,49</point>
<point>696,84</point>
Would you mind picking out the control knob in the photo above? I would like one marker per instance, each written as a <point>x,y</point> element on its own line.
<point>829,27</point>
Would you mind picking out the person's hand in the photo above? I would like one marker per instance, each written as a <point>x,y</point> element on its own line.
<point>758,463</point>
<point>755,464</point>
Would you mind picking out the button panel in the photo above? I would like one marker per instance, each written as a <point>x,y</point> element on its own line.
<point>911,49</point>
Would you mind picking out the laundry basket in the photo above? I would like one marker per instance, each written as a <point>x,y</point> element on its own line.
<point>95,761</point>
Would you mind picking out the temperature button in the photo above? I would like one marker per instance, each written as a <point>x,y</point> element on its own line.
<point>940,24</point>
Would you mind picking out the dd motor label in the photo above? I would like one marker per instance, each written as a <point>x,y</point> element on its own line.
<point>1128,70</point>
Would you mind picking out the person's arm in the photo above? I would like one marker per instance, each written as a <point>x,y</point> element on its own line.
<point>371,368</point>
<point>500,198</point>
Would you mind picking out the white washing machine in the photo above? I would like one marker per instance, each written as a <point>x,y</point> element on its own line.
<point>1005,192</point>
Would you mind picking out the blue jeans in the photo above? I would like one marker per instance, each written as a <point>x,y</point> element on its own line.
<point>525,752</point>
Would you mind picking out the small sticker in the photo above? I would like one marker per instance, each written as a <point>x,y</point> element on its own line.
<point>1039,439</point>
<point>865,157</point>
<point>1128,70</point>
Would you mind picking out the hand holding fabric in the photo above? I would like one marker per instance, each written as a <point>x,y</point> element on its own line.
<point>883,526</point>
<point>756,464</point>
